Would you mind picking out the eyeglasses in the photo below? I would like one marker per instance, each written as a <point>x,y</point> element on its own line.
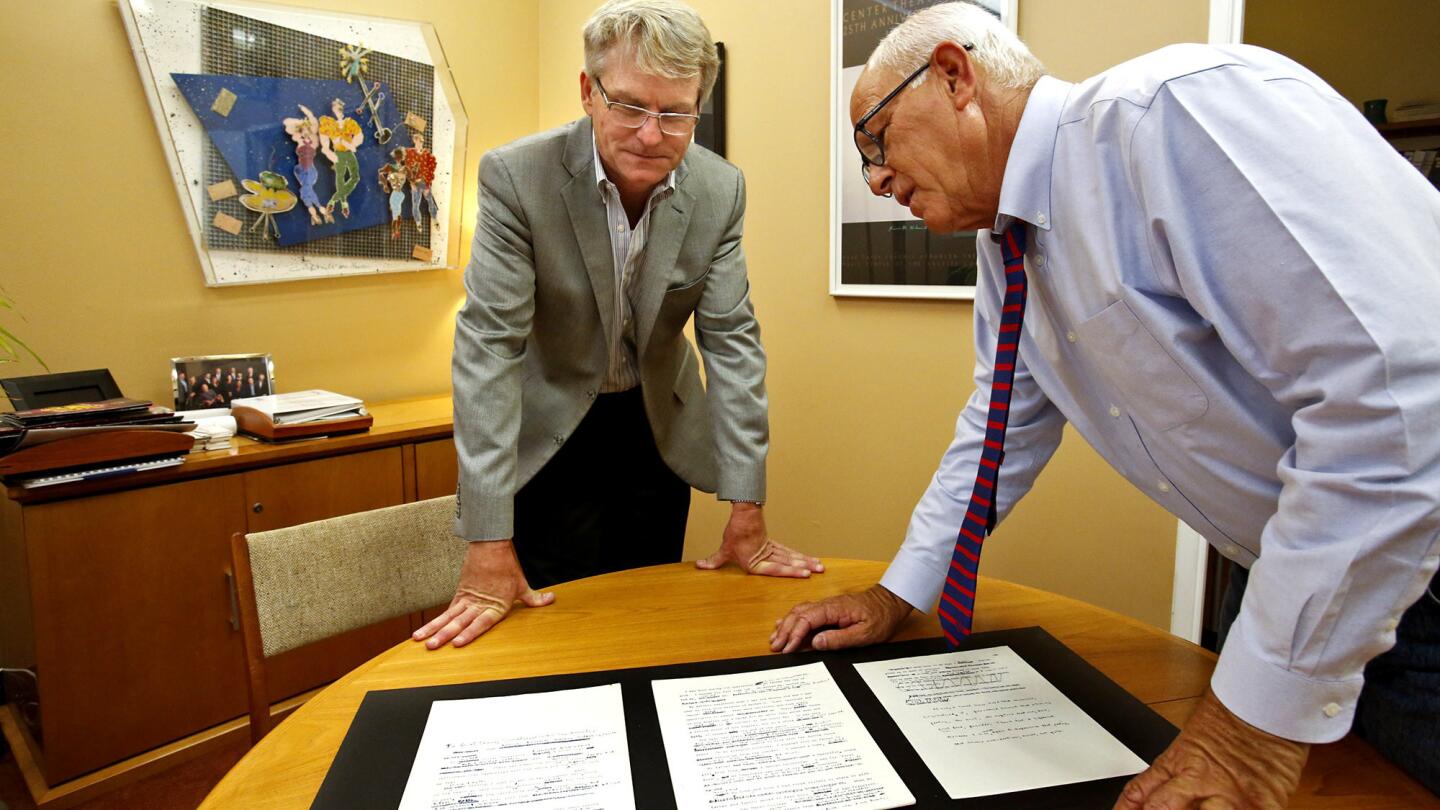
<point>632,117</point>
<point>871,145</point>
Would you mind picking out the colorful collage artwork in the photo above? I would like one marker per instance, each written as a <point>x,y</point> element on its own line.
<point>316,157</point>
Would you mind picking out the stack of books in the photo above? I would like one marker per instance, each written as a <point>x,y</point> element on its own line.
<point>70,442</point>
<point>300,415</point>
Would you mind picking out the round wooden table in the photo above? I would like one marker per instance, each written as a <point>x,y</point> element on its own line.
<point>672,614</point>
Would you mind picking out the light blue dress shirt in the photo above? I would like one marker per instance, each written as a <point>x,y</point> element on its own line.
<point>1235,298</point>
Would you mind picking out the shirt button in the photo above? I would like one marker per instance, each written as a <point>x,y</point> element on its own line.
<point>1164,486</point>
<point>1040,260</point>
<point>590,393</point>
<point>1115,411</point>
<point>1071,336</point>
<point>1331,709</point>
<point>1229,550</point>
<point>619,228</point>
<point>1040,219</point>
<point>1391,624</point>
<point>559,438</point>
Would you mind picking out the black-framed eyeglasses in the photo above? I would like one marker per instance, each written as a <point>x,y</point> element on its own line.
<point>871,145</point>
<point>632,117</point>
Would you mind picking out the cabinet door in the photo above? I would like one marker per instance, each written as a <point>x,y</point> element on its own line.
<point>133,636</point>
<point>291,494</point>
<point>436,469</point>
<point>314,490</point>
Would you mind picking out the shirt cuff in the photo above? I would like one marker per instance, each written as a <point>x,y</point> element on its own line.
<point>1281,701</point>
<point>914,581</point>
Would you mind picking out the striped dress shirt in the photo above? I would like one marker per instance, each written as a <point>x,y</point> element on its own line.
<point>627,245</point>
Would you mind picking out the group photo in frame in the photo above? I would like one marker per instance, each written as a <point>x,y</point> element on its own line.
<point>877,247</point>
<point>214,381</point>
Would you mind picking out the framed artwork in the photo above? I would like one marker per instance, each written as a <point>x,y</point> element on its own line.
<point>214,381</point>
<point>710,133</point>
<point>877,247</point>
<point>303,144</point>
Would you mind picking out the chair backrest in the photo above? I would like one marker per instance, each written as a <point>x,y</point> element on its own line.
<point>307,583</point>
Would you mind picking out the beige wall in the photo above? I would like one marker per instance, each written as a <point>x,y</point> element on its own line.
<point>864,393</point>
<point>1380,49</point>
<point>98,257</point>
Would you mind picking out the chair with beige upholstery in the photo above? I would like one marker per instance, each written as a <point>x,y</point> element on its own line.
<point>306,583</point>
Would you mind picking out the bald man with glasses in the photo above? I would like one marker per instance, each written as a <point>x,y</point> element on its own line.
<point>580,420</point>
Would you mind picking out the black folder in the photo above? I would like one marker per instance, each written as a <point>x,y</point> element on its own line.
<point>373,763</point>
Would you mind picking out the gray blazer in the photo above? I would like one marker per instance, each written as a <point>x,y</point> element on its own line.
<point>530,342</point>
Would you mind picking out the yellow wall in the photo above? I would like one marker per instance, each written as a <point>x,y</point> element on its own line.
<point>864,393</point>
<point>1380,49</point>
<point>100,262</point>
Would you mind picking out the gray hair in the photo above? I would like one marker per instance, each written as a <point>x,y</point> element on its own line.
<point>666,38</point>
<point>1000,54</point>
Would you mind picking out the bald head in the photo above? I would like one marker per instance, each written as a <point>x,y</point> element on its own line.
<point>936,109</point>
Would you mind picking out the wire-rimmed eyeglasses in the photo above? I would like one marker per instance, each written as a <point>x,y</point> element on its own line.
<point>871,145</point>
<point>632,117</point>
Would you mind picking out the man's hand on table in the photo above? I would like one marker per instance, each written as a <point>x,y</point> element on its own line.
<point>1218,762</point>
<point>490,583</point>
<point>746,543</point>
<point>868,617</point>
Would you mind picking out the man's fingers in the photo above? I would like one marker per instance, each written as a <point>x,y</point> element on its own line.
<point>805,618</point>
<point>438,622</point>
<point>533,598</point>
<point>771,568</point>
<point>1179,793</point>
<point>1139,789</point>
<point>783,625</point>
<point>488,618</point>
<point>798,559</point>
<point>792,640</point>
<point>458,621</point>
<point>856,635</point>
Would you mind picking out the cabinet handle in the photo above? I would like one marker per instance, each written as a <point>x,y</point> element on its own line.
<point>258,508</point>
<point>234,600</point>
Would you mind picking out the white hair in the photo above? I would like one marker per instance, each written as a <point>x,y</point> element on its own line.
<point>666,38</point>
<point>1001,56</point>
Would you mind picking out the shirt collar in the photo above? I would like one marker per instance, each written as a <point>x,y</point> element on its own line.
<point>666,185</point>
<point>1025,189</point>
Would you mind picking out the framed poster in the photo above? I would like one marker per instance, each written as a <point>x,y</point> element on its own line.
<point>877,247</point>
<point>303,144</point>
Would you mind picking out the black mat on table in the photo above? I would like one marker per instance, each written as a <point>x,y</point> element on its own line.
<point>373,763</point>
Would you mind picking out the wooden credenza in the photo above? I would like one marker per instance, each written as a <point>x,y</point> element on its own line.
<point>117,594</point>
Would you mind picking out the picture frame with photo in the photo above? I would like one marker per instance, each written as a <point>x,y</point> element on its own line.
<point>878,248</point>
<point>214,381</point>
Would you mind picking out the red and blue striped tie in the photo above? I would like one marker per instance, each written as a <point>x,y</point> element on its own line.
<point>957,600</point>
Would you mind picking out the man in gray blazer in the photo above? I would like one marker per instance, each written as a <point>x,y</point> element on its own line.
<point>580,420</point>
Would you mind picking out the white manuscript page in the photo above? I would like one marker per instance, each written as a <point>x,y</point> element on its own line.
<point>786,738</point>
<point>985,722</point>
<point>548,751</point>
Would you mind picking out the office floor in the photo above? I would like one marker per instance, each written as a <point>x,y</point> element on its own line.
<point>180,788</point>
